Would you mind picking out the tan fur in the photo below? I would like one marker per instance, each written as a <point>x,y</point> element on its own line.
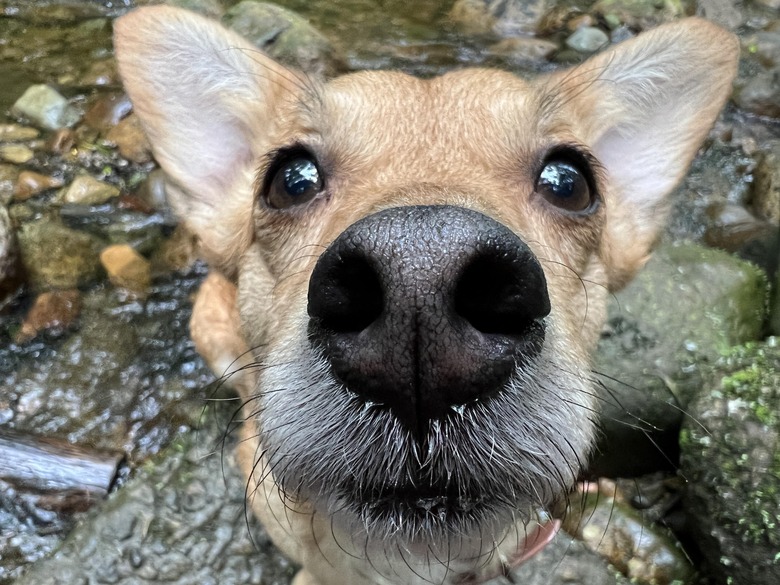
<point>472,138</point>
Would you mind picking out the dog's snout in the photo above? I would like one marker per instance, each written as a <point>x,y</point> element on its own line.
<point>426,308</point>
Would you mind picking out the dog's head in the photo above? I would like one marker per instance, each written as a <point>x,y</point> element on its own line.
<point>422,265</point>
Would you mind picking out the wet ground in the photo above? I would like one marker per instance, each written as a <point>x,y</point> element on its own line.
<point>115,369</point>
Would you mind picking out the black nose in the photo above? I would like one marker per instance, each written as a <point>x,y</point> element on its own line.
<point>423,309</point>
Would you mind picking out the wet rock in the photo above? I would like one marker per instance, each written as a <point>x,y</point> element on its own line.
<point>107,111</point>
<point>764,46</point>
<point>766,189</point>
<point>774,316</point>
<point>736,230</point>
<point>211,8</point>
<point>15,153</point>
<point>558,19</point>
<point>117,225</point>
<point>100,73</point>
<point>761,94</point>
<point>152,190</point>
<point>55,256</point>
<point>51,311</point>
<point>61,141</point>
<point>126,268</point>
<point>524,49</point>
<point>687,305</point>
<point>285,36</point>
<point>724,12</point>
<point>17,133</point>
<point>638,14</point>
<point>730,444</point>
<point>45,107</point>
<point>564,561</point>
<point>643,552</point>
<point>180,520</point>
<point>29,183</point>
<point>587,39</point>
<point>8,177</point>
<point>722,175</point>
<point>130,139</point>
<point>9,258</point>
<point>506,18</point>
<point>87,190</point>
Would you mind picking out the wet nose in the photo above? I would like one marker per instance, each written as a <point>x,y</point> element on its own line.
<point>423,309</point>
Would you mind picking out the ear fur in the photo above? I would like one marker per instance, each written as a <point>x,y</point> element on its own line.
<point>646,105</point>
<point>206,99</point>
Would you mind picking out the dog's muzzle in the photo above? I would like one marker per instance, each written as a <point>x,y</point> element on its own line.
<point>425,309</point>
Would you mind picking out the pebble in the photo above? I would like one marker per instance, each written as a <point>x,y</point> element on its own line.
<point>8,177</point>
<point>16,153</point>
<point>523,49</point>
<point>766,186</point>
<point>55,256</point>
<point>131,140</point>
<point>52,310</point>
<point>107,111</point>
<point>17,133</point>
<point>126,268</point>
<point>761,94</point>
<point>45,107</point>
<point>30,183</point>
<point>587,39</point>
<point>87,190</point>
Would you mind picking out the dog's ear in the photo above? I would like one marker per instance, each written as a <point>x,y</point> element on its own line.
<point>206,99</point>
<point>646,106</point>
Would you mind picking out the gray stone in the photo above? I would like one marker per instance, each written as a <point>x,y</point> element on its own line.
<point>688,305</point>
<point>764,46</point>
<point>181,520</point>
<point>46,108</point>
<point>761,94</point>
<point>724,12</point>
<point>285,36</point>
<point>729,456</point>
<point>587,39</point>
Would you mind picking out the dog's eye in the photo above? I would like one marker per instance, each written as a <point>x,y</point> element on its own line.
<point>564,185</point>
<point>295,182</point>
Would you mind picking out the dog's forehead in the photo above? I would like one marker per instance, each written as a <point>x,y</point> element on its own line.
<point>375,111</point>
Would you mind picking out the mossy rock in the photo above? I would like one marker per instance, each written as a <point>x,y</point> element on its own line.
<point>730,457</point>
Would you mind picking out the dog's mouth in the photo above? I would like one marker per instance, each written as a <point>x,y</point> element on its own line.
<point>424,505</point>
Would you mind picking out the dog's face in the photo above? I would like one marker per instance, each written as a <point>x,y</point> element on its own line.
<point>422,265</point>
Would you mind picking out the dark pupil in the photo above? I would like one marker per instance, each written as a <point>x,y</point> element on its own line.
<point>562,179</point>
<point>300,176</point>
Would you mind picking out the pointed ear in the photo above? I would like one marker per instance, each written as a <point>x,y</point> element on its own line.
<point>648,104</point>
<point>206,99</point>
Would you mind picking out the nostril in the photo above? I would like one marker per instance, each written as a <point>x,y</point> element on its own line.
<point>345,293</point>
<point>501,294</point>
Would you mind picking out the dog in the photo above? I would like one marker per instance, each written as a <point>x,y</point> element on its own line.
<point>408,276</point>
